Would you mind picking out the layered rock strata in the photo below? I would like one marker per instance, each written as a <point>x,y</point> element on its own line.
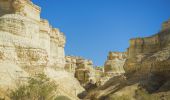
<point>146,67</point>
<point>114,64</point>
<point>31,41</point>
<point>148,59</point>
<point>149,51</point>
<point>84,71</point>
<point>71,65</point>
<point>30,45</point>
<point>81,68</point>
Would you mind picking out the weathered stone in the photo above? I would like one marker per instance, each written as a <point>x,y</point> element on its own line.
<point>29,45</point>
<point>114,64</point>
<point>148,59</point>
<point>148,52</point>
<point>166,25</point>
<point>146,67</point>
<point>81,68</point>
<point>70,65</point>
<point>67,84</point>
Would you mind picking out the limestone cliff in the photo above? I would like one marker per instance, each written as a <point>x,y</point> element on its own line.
<point>150,54</point>
<point>114,64</point>
<point>148,59</point>
<point>30,45</point>
<point>147,67</point>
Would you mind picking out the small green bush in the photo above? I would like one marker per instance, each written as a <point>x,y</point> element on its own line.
<point>38,88</point>
<point>62,98</point>
<point>123,97</point>
<point>141,94</point>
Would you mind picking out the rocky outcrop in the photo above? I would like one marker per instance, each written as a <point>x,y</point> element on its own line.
<point>114,64</point>
<point>28,40</point>
<point>84,71</point>
<point>81,68</point>
<point>166,25</point>
<point>71,65</point>
<point>30,45</point>
<point>147,54</point>
<point>99,75</point>
<point>146,67</point>
<point>148,59</point>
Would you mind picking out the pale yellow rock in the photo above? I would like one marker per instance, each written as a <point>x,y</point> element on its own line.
<point>148,53</point>
<point>114,64</point>
<point>30,45</point>
<point>166,25</point>
<point>11,76</point>
<point>70,65</point>
<point>81,68</point>
<point>67,84</point>
<point>147,69</point>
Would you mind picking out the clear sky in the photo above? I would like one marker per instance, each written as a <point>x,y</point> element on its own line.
<point>95,27</point>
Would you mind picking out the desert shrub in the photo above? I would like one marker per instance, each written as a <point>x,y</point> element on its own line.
<point>62,98</point>
<point>39,87</point>
<point>142,94</point>
<point>122,97</point>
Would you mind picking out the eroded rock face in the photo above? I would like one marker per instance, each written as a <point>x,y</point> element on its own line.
<point>148,59</point>
<point>71,65</point>
<point>114,64</point>
<point>147,67</point>
<point>29,45</point>
<point>81,68</point>
<point>85,71</point>
<point>68,85</point>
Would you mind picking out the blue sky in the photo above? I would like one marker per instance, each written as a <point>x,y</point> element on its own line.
<point>95,27</point>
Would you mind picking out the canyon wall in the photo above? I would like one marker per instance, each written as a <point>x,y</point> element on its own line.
<point>143,49</point>
<point>147,69</point>
<point>148,59</point>
<point>31,40</point>
<point>30,45</point>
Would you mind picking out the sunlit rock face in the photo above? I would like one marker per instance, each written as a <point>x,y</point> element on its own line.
<point>114,64</point>
<point>81,68</point>
<point>147,67</point>
<point>29,44</point>
<point>68,85</point>
<point>84,71</point>
<point>149,58</point>
<point>143,49</point>
<point>31,40</point>
<point>71,65</point>
<point>99,75</point>
<point>166,25</point>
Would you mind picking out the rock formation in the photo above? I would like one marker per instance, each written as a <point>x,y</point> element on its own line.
<point>148,59</point>
<point>99,74</point>
<point>81,68</point>
<point>114,64</point>
<point>29,38</point>
<point>71,65</point>
<point>29,45</point>
<point>145,54</point>
<point>84,71</point>
<point>147,67</point>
